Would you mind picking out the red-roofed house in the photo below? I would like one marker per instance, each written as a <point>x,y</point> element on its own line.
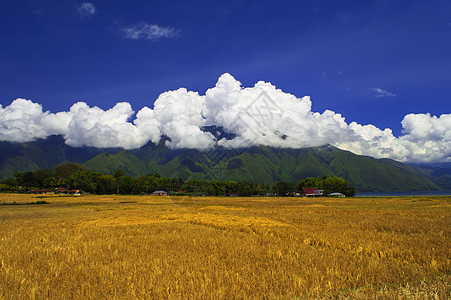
<point>62,190</point>
<point>42,191</point>
<point>312,192</point>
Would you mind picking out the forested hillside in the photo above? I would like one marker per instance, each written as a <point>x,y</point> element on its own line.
<point>256,164</point>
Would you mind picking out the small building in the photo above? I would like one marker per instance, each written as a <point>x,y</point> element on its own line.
<point>43,191</point>
<point>159,193</point>
<point>312,192</point>
<point>61,190</point>
<point>336,195</point>
<point>75,192</point>
<point>319,193</point>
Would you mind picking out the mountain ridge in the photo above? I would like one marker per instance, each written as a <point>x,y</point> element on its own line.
<point>258,164</point>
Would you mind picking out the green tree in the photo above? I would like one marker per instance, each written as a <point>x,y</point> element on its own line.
<point>84,180</point>
<point>118,174</point>
<point>328,184</point>
<point>151,182</point>
<point>5,188</point>
<point>66,170</point>
<point>245,188</point>
<point>11,182</point>
<point>25,179</point>
<point>106,184</point>
<point>40,177</point>
<point>173,184</point>
<point>199,187</point>
<point>310,182</point>
<point>263,189</point>
<point>218,187</point>
<point>53,182</point>
<point>231,187</point>
<point>338,185</point>
<point>283,188</point>
<point>130,185</point>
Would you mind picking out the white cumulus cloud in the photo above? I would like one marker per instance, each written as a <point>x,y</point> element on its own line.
<point>426,138</point>
<point>24,120</point>
<point>258,115</point>
<point>92,126</point>
<point>179,114</point>
<point>265,115</point>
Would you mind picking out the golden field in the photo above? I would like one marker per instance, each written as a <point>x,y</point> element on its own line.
<point>148,247</point>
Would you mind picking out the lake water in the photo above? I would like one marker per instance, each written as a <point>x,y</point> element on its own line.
<point>411,193</point>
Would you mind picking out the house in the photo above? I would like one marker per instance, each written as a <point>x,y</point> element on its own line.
<point>336,195</point>
<point>43,191</point>
<point>75,192</point>
<point>312,192</point>
<point>159,193</point>
<point>61,190</point>
<point>319,193</point>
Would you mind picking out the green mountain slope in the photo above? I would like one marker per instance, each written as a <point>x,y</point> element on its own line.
<point>256,164</point>
<point>42,154</point>
<point>369,174</point>
<point>439,173</point>
<point>107,163</point>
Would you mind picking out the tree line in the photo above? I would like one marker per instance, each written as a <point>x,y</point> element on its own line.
<point>74,176</point>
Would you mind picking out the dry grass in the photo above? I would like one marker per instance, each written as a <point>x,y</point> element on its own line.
<point>128,247</point>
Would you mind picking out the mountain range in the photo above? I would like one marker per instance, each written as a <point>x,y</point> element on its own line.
<point>256,164</point>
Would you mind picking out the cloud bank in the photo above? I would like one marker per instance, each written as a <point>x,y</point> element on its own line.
<point>258,115</point>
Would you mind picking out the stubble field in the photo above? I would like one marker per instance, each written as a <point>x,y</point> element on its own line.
<point>144,247</point>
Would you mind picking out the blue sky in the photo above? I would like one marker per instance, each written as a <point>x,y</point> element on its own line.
<point>371,61</point>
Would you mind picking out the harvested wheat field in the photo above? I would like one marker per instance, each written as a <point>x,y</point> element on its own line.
<point>144,247</point>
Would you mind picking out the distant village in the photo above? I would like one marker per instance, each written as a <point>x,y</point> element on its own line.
<point>73,179</point>
<point>306,192</point>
